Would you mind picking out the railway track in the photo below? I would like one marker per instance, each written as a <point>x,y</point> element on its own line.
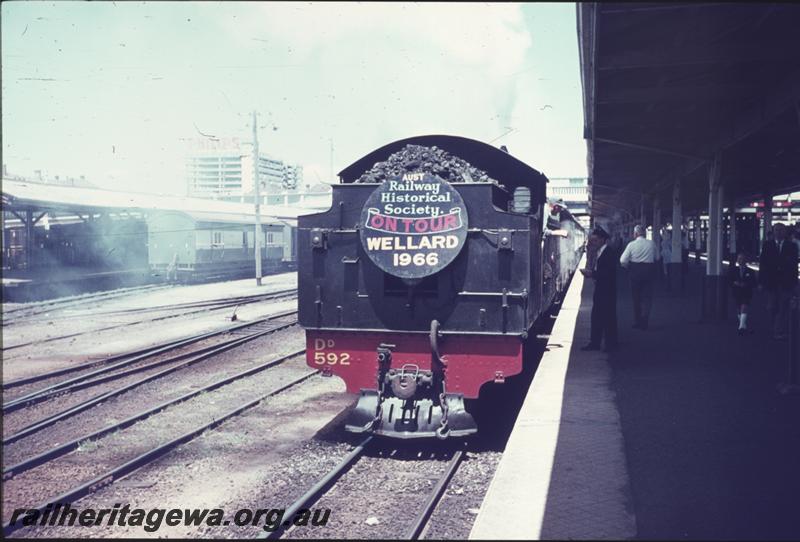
<point>415,530</point>
<point>62,449</point>
<point>193,309</point>
<point>43,307</point>
<point>108,373</point>
<point>110,476</point>
<point>210,304</point>
<point>142,353</point>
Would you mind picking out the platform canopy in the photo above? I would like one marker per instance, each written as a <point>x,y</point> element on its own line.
<point>23,196</point>
<point>669,86</point>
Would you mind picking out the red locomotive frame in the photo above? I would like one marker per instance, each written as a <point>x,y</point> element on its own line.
<point>471,360</point>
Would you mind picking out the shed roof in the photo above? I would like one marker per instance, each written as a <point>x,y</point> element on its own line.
<point>216,217</point>
<point>37,196</point>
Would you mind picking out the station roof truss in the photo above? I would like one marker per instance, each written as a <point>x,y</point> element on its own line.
<point>667,87</point>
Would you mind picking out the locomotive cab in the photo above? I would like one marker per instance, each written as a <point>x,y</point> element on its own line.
<point>421,282</point>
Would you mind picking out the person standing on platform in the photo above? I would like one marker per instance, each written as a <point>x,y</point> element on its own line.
<point>616,244</point>
<point>604,299</point>
<point>743,281</point>
<point>172,268</point>
<point>777,274</point>
<point>684,258</point>
<point>640,257</point>
<point>795,236</point>
<point>666,255</point>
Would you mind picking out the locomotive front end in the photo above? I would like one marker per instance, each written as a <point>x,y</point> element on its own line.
<point>415,290</point>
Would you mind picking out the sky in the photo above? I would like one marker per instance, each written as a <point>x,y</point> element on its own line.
<point>114,90</point>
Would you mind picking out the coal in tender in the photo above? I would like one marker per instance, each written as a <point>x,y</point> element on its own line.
<point>426,159</point>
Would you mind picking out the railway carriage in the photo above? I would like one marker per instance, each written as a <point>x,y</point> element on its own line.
<point>422,281</point>
<point>189,246</point>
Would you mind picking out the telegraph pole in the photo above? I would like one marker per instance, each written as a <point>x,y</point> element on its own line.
<point>257,183</point>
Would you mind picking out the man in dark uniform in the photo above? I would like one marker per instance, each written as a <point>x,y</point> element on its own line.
<point>777,274</point>
<point>604,301</point>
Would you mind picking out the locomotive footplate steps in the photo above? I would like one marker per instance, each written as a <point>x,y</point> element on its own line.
<point>422,420</point>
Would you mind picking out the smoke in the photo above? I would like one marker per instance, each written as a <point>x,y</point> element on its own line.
<point>68,250</point>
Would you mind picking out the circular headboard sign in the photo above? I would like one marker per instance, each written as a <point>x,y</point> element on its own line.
<point>414,225</point>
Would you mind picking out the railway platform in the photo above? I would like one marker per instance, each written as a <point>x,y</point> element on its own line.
<point>681,433</point>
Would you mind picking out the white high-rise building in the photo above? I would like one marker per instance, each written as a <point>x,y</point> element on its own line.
<point>223,169</point>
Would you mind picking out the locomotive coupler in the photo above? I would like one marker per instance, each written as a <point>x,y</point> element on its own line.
<point>409,402</point>
<point>406,382</point>
<point>384,363</point>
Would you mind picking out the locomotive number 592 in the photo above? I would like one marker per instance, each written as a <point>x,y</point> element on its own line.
<point>321,357</point>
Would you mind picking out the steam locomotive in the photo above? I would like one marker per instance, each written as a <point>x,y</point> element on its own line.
<point>422,281</point>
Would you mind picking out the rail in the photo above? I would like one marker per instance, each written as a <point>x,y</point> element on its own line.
<point>114,474</point>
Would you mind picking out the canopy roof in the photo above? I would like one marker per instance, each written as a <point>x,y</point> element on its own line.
<point>667,86</point>
<point>23,195</point>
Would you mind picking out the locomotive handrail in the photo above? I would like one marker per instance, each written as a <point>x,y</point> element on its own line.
<point>494,232</point>
<point>340,230</point>
<point>469,230</point>
<point>522,295</point>
<point>423,332</point>
<point>498,294</point>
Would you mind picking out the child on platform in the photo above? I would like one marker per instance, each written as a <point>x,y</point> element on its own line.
<point>743,281</point>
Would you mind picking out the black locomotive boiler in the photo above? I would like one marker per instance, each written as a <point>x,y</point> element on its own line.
<point>422,281</point>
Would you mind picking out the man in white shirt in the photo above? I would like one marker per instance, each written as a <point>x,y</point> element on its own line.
<point>640,256</point>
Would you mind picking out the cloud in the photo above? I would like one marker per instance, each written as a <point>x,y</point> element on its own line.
<point>404,47</point>
<point>360,74</point>
<point>492,35</point>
